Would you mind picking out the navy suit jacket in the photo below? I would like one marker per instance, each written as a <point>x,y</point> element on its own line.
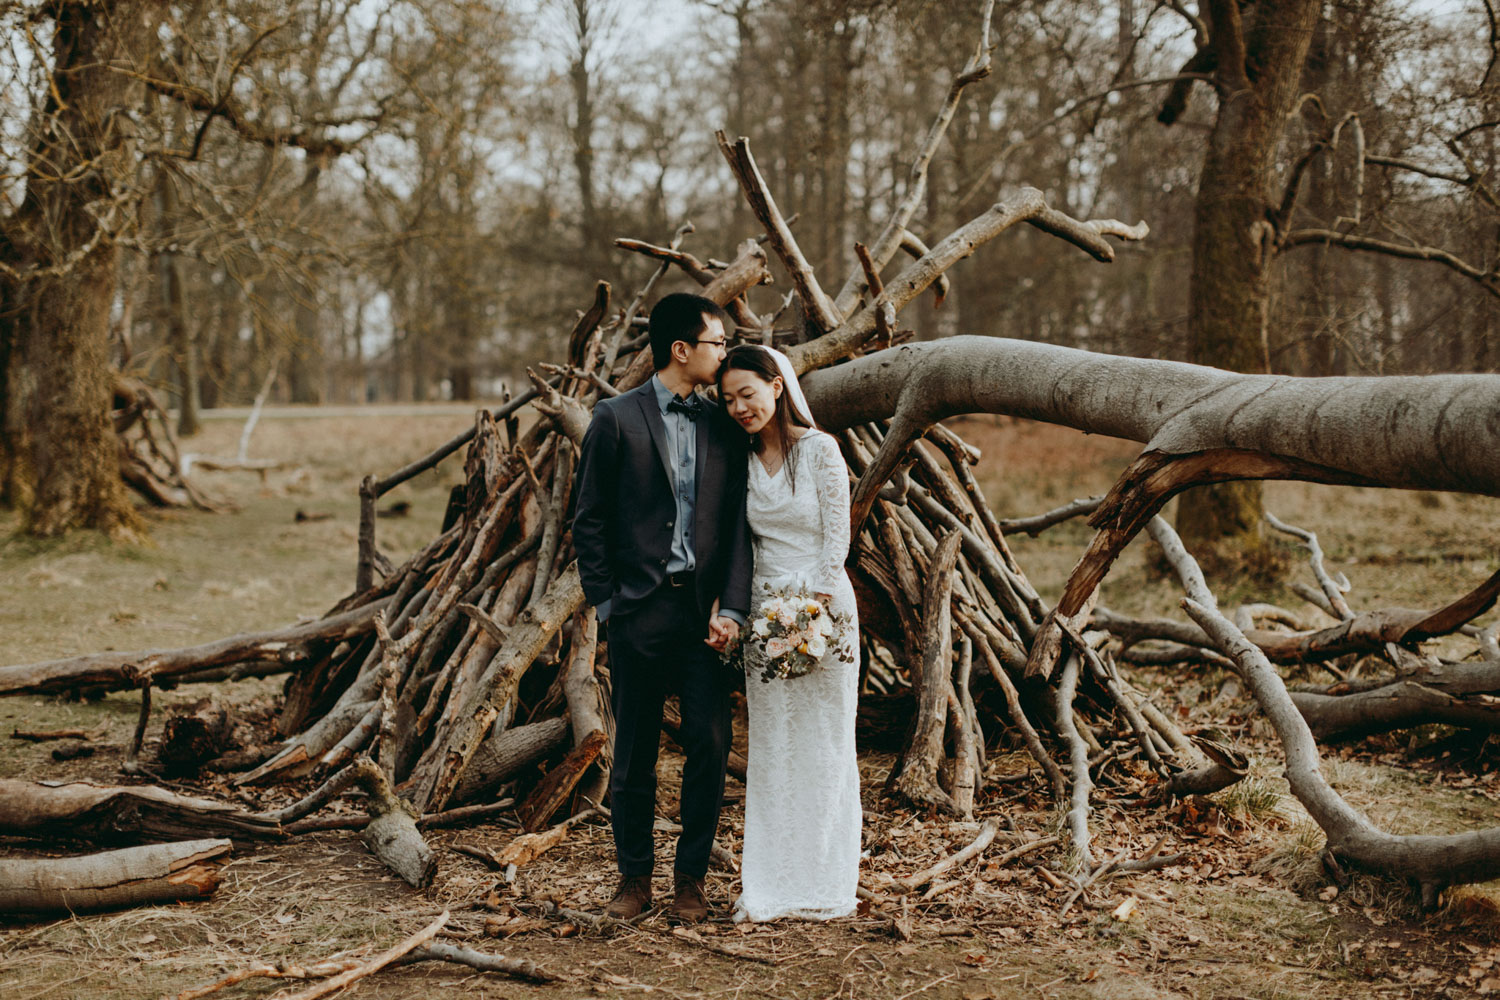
<point>624,509</point>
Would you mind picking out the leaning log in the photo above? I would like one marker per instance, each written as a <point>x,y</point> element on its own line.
<point>118,671</point>
<point>509,752</point>
<point>113,880</point>
<point>554,790</point>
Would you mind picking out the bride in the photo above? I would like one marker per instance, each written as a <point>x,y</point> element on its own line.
<point>802,809</point>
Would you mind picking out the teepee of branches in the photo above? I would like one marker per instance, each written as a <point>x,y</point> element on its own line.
<point>411,687</point>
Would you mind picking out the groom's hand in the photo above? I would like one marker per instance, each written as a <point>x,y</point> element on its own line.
<point>720,631</point>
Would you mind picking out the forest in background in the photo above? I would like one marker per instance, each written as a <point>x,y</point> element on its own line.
<point>387,200</point>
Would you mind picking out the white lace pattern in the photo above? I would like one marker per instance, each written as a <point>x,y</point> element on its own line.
<point>802,811</point>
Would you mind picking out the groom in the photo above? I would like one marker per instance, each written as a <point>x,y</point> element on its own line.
<point>664,554</point>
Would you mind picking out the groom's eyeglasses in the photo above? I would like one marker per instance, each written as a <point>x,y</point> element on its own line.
<point>715,343</point>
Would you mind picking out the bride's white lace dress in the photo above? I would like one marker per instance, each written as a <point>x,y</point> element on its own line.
<point>802,811</point>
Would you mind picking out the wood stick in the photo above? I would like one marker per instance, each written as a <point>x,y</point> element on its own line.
<point>1333,590</point>
<point>1017,713</point>
<point>375,964</point>
<point>280,971</point>
<point>1038,523</point>
<point>43,736</point>
<point>977,68</point>
<point>623,327</point>
<point>986,836</point>
<point>131,764</point>
<point>1078,809</point>
<point>452,817</point>
<point>516,968</point>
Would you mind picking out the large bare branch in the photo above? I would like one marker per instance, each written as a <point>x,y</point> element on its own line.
<point>1027,206</point>
<point>1434,862</point>
<point>815,301</point>
<point>889,241</point>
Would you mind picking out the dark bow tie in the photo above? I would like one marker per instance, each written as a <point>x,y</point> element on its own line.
<point>692,407</point>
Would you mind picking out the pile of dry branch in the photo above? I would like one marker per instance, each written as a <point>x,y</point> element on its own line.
<point>439,679</point>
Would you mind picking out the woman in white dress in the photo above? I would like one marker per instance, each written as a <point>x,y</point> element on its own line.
<point>802,810</point>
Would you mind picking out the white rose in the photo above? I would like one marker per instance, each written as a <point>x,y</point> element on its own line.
<point>762,627</point>
<point>816,647</point>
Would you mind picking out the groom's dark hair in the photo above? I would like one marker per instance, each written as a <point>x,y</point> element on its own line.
<point>681,316</point>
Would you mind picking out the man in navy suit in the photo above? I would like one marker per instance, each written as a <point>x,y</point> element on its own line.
<point>664,554</point>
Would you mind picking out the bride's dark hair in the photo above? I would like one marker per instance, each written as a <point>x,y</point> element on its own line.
<point>758,361</point>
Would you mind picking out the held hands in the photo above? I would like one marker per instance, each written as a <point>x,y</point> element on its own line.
<point>720,631</point>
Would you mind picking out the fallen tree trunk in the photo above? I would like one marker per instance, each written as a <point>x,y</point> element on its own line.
<point>112,880</point>
<point>101,814</point>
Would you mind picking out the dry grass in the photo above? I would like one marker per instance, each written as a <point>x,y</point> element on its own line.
<point>1240,918</point>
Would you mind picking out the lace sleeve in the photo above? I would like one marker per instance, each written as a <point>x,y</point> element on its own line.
<point>831,481</point>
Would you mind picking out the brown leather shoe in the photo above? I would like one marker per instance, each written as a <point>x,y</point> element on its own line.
<point>689,905</point>
<point>631,899</point>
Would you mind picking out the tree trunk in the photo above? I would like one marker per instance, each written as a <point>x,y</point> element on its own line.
<point>182,345</point>
<point>1232,240</point>
<point>61,456</point>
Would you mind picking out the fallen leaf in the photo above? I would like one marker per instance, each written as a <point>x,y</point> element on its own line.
<point>1328,893</point>
<point>1125,909</point>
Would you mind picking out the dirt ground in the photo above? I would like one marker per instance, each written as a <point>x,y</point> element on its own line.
<point>1248,913</point>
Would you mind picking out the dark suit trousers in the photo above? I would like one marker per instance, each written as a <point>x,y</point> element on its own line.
<point>657,649</point>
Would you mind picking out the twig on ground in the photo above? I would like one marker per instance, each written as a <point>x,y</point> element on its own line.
<point>375,964</point>
<point>976,848</point>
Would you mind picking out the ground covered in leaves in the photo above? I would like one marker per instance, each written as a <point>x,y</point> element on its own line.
<point>1248,910</point>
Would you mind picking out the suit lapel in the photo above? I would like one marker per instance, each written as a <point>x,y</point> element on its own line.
<point>703,454</point>
<point>646,397</point>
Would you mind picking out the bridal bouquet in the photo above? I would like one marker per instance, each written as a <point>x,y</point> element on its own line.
<point>788,637</point>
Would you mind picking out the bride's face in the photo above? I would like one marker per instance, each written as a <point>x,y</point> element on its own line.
<point>750,399</point>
